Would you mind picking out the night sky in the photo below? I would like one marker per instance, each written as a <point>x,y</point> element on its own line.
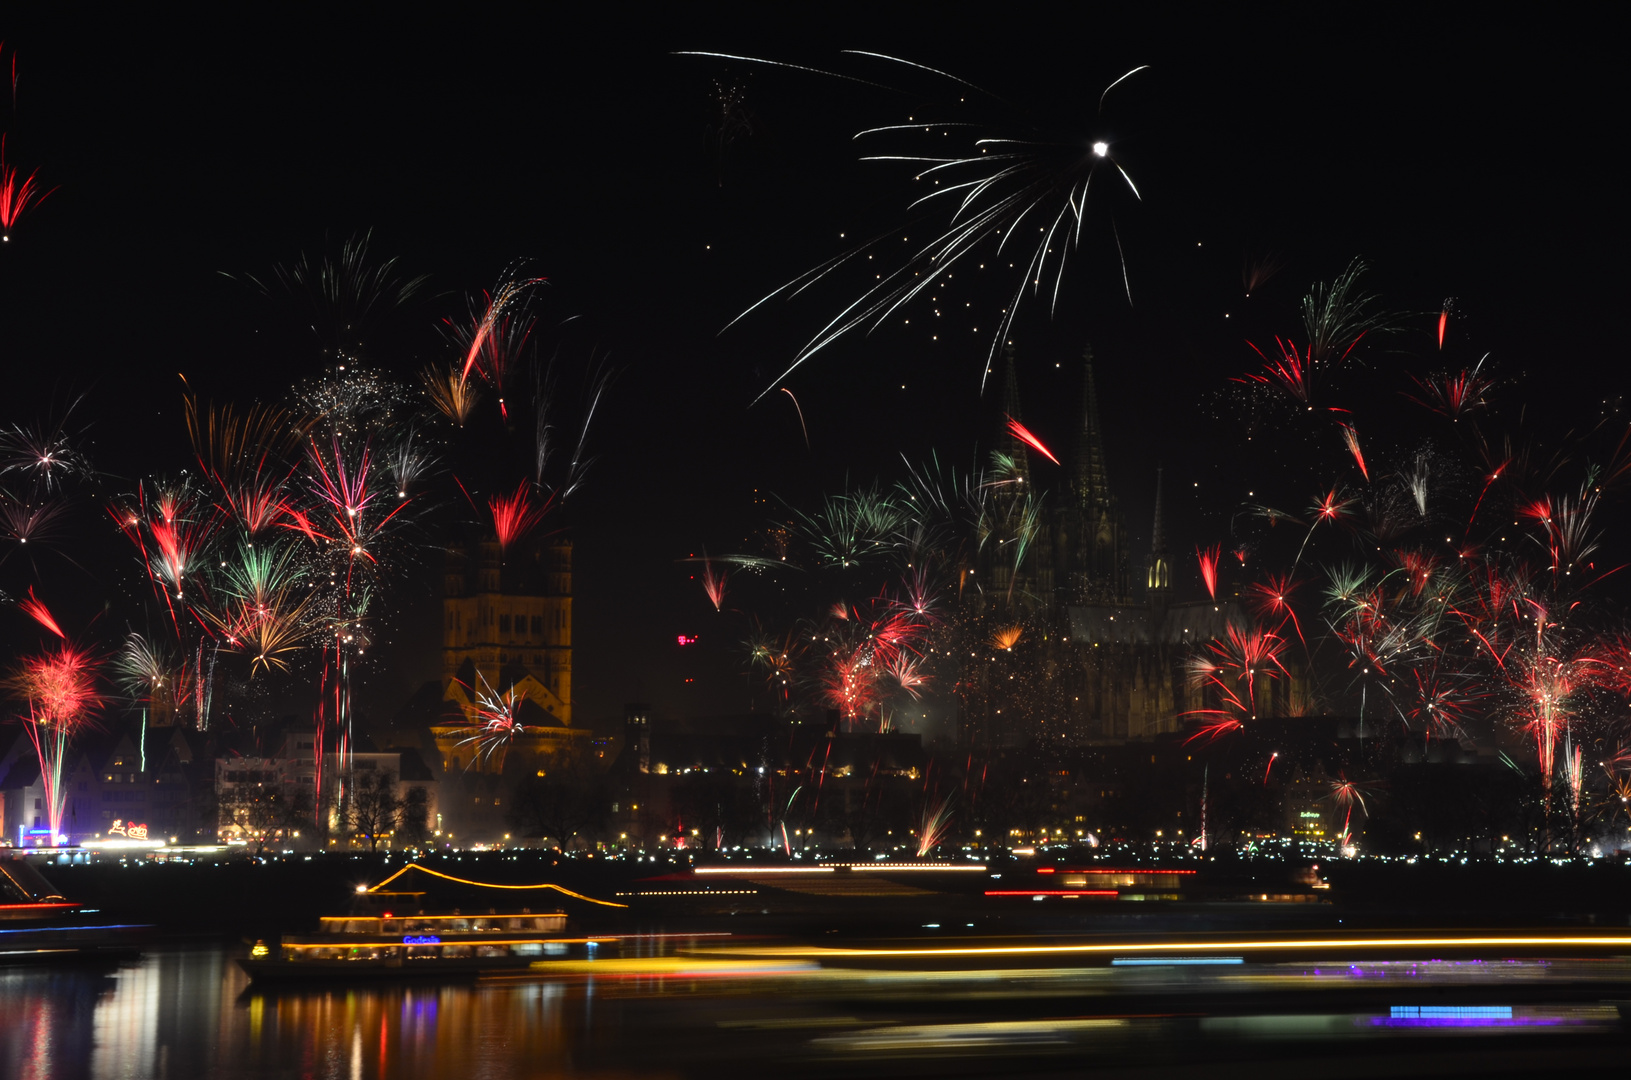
<point>1458,158</point>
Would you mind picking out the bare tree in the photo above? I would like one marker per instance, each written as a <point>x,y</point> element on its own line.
<point>569,799</point>
<point>262,814</point>
<point>372,808</point>
<point>413,822</point>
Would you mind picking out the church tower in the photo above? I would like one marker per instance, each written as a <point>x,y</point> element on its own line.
<point>1158,578</point>
<point>1099,570</point>
<point>1010,517</point>
<point>507,633</point>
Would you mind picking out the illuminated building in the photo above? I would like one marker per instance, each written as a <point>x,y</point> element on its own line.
<point>1108,647</point>
<point>507,631</point>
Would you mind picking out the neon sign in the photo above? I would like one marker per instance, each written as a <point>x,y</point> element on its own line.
<point>421,939</point>
<point>686,639</point>
<point>132,831</point>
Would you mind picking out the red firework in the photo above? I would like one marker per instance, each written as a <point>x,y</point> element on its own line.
<point>59,686</point>
<point>515,514</point>
<point>1208,558</point>
<point>490,330</point>
<point>1222,724</point>
<point>16,196</point>
<point>1350,437</point>
<point>1272,599</point>
<point>1440,702</point>
<point>1453,395</point>
<point>714,585</point>
<point>1023,434</point>
<point>1289,372</point>
<point>41,615</point>
<point>1419,568</point>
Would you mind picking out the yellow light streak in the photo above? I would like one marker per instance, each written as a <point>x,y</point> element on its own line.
<point>490,885</point>
<point>1226,946</point>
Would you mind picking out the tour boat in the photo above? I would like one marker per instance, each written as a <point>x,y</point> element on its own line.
<point>394,935</point>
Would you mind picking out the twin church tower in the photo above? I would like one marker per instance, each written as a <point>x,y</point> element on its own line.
<point>1109,647</point>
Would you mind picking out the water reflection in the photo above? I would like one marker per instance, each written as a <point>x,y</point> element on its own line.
<point>186,1015</point>
<point>190,1014</point>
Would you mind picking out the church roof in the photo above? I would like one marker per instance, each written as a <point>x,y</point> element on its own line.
<point>1137,624</point>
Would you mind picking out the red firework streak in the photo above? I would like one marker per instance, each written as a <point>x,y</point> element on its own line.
<point>60,689</point>
<point>1350,436</point>
<point>1452,395</point>
<point>514,515</point>
<point>38,610</point>
<point>1272,759</point>
<point>1208,558</point>
<point>15,196</point>
<point>713,584</point>
<point>1443,321</point>
<point>1289,372</point>
<point>1023,434</point>
<point>1216,729</point>
<point>1273,597</point>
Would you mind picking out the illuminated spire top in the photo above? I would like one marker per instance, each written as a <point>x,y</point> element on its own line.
<point>1158,539</point>
<point>1009,444</point>
<point>1092,479</point>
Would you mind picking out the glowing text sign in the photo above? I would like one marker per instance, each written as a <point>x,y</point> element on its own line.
<point>132,831</point>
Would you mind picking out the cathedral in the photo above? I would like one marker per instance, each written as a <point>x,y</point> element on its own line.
<point>1113,644</point>
<point>507,633</point>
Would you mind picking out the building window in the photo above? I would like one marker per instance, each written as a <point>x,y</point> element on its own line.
<point>537,625</point>
<point>504,624</point>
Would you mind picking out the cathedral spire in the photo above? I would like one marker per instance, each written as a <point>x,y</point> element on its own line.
<point>1158,539</point>
<point>1092,477</point>
<point>1159,580</point>
<point>1008,444</point>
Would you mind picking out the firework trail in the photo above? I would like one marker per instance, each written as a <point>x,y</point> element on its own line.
<point>38,611</point>
<point>713,584</point>
<point>59,688</point>
<point>338,295</point>
<point>1350,439</point>
<point>1272,599</point>
<point>1007,637</point>
<point>1454,395</point>
<point>241,454</point>
<point>16,195</point>
<point>933,825</point>
<point>1289,372</point>
<point>800,410</point>
<point>1272,759</point>
<point>499,330</point>
<point>1337,316</point>
<point>1020,432</point>
<point>1257,270</point>
<point>496,724</point>
<point>43,453</point>
<point>1208,559</point>
<point>990,188</point>
<point>450,393</point>
<point>515,514</point>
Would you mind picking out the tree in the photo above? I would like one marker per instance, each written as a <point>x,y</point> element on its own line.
<point>414,820</point>
<point>561,802</point>
<point>372,806</point>
<point>262,814</point>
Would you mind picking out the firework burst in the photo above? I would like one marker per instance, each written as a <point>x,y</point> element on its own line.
<point>1018,200</point>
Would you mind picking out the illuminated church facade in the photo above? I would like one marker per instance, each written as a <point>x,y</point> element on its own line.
<point>507,632</point>
<point>1110,645</point>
